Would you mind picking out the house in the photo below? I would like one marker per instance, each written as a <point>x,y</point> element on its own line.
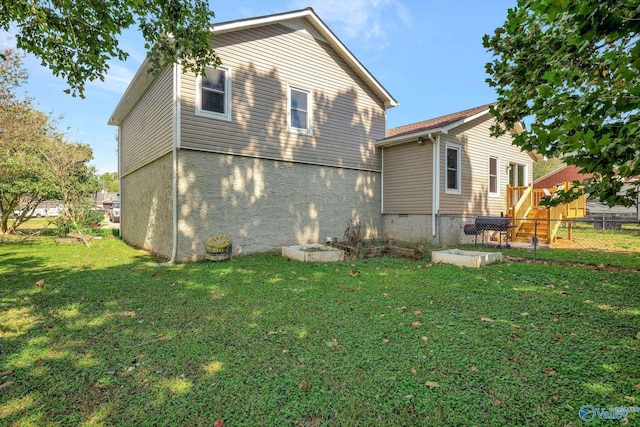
<point>594,208</point>
<point>276,146</point>
<point>448,169</point>
<point>565,173</point>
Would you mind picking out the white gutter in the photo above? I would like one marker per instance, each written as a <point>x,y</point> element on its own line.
<point>401,139</point>
<point>435,192</point>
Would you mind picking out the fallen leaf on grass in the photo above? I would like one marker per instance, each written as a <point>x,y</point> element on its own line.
<point>486,319</point>
<point>474,369</point>
<point>385,294</point>
<point>129,313</point>
<point>40,283</point>
<point>354,273</point>
<point>7,384</point>
<point>417,313</point>
<point>516,359</point>
<point>425,339</point>
<point>416,324</point>
<point>432,384</point>
<point>562,293</point>
<point>554,398</point>
<point>636,386</point>
<point>386,341</point>
<point>218,423</point>
<point>549,371</point>
<point>304,386</point>
<point>334,341</point>
<point>413,371</point>
<point>409,396</point>
<point>403,308</point>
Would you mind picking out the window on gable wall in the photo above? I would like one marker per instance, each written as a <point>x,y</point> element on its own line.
<point>299,117</point>
<point>453,170</point>
<point>213,96</point>
<point>494,189</point>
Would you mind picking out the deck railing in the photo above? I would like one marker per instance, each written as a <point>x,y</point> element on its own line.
<point>522,199</point>
<point>519,204</point>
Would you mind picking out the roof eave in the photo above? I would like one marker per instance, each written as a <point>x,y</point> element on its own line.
<point>138,85</point>
<point>409,137</point>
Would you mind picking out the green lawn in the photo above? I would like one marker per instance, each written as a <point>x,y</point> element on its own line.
<point>111,339</point>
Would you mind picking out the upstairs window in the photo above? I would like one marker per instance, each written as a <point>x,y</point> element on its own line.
<point>299,117</point>
<point>452,177</point>
<point>213,96</point>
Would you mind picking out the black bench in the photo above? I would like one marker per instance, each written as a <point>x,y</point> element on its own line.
<point>500,224</point>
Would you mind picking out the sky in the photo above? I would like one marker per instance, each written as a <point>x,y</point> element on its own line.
<point>427,53</point>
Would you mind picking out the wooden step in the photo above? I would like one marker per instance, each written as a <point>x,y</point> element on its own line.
<point>529,235</point>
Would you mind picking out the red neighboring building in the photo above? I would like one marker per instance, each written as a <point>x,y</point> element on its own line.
<point>568,173</point>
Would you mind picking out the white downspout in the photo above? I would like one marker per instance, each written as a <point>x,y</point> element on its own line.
<point>382,185</point>
<point>435,196</point>
<point>120,175</point>
<point>177,100</point>
<point>174,165</point>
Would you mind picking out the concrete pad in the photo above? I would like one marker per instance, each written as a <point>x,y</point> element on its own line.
<point>313,253</point>
<point>466,258</point>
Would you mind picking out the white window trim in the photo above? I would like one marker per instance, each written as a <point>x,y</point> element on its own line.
<point>448,190</point>
<point>497,194</point>
<point>227,99</point>
<point>309,129</point>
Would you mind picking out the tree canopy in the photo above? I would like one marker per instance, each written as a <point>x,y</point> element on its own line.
<point>110,182</point>
<point>76,39</point>
<point>36,161</point>
<point>573,69</point>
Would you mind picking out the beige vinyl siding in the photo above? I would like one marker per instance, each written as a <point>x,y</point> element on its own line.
<point>347,117</point>
<point>408,178</point>
<point>147,132</point>
<point>476,146</point>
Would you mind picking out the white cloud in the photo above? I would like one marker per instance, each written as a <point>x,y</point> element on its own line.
<point>7,40</point>
<point>116,80</point>
<point>364,22</point>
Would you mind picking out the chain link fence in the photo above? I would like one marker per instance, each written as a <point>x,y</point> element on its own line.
<point>543,238</point>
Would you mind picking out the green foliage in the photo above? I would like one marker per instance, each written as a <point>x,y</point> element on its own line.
<point>574,67</point>
<point>543,167</point>
<point>76,39</point>
<point>110,339</point>
<point>36,161</point>
<point>110,182</point>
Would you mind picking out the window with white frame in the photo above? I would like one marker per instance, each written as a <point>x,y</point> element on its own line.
<point>452,176</point>
<point>494,182</point>
<point>213,95</point>
<point>299,104</point>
